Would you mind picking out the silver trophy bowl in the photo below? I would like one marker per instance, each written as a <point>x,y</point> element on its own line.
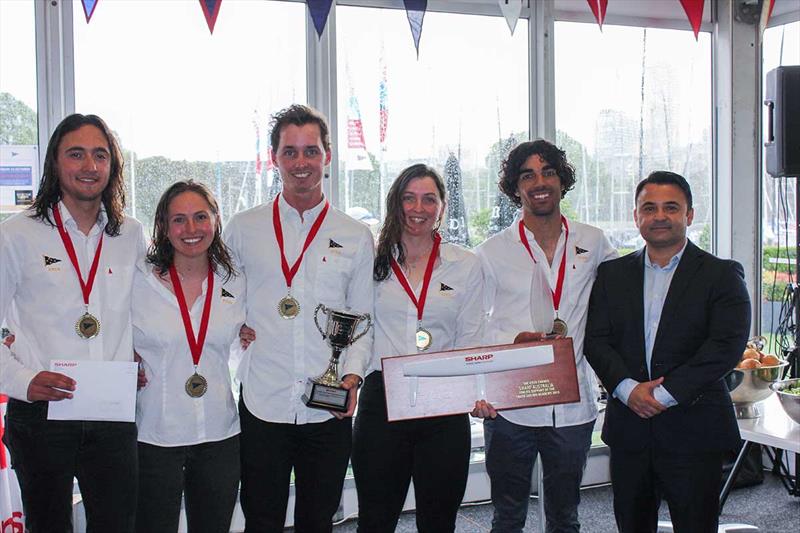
<point>750,386</point>
<point>790,402</point>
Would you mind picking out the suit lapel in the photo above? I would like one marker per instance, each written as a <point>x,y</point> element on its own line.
<point>684,272</point>
<point>636,277</point>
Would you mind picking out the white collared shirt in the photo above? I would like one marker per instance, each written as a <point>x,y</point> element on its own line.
<point>336,271</point>
<point>453,312</point>
<point>41,297</point>
<point>165,414</point>
<point>508,269</point>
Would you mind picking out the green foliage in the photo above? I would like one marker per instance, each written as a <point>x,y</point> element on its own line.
<point>17,122</point>
<point>479,225</point>
<point>770,253</point>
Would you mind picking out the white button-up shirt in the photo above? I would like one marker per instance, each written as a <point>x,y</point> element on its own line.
<point>453,311</point>
<point>41,298</point>
<point>508,269</point>
<point>336,271</point>
<point>165,414</point>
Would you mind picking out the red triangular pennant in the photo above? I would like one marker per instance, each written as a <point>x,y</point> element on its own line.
<point>598,10</point>
<point>210,10</point>
<point>694,11</point>
<point>88,8</point>
<point>766,13</point>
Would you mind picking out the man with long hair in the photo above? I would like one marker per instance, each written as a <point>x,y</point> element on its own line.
<point>65,291</point>
<point>562,255</point>
<point>297,252</point>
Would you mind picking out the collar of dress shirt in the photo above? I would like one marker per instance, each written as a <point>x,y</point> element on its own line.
<point>290,213</point>
<point>673,262</point>
<point>69,221</point>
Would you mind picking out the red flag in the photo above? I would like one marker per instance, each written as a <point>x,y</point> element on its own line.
<point>766,13</point>
<point>211,10</point>
<point>11,515</point>
<point>598,10</point>
<point>694,10</point>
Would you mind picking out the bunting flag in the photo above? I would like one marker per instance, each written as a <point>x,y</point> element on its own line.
<point>11,515</point>
<point>511,10</point>
<point>210,10</point>
<point>357,157</point>
<point>319,10</point>
<point>694,10</point>
<point>766,12</point>
<point>88,8</point>
<point>384,109</point>
<point>599,10</point>
<point>415,11</point>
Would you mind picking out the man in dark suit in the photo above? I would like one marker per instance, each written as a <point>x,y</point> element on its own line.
<point>666,323</point>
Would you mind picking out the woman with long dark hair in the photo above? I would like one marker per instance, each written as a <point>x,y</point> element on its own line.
<point>188,306</point>
<point>428,297</point>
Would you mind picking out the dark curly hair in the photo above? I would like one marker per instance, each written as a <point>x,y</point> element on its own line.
<point>392,228</point>
<point>298,115</point>
<point>50,189</point>
<point>161,253</point>
<point>555,157</point>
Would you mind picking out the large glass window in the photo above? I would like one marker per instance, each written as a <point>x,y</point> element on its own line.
<point>630,101</point>
<point>19,156</point>
<point>781,47</point>
<point>187,104</point>
<point>453,107</point>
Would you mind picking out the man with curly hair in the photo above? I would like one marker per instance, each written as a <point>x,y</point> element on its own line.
<point>541,243</point>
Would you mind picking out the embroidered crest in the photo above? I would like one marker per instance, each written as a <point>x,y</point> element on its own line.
<point>334,244</point>
<point>50,260</point>
<point>445,287</point>
<point>226,294</point>
<point>579,250</point>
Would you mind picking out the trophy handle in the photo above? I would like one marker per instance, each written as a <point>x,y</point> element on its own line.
<point>366,329</point>
<point>316,322</point>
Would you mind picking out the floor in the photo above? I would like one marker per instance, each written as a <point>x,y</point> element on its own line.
<point>767,506</point>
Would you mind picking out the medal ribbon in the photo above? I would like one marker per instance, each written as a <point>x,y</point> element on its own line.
<point>562,268</point>
<point>288,273</point>
<point>195,345</point>
<point>86,287</point>
<point>426,280</point>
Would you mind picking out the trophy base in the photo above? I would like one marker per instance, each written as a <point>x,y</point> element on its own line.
<point>328,397</point>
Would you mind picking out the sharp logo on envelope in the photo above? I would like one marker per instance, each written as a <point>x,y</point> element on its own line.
<point>473,359</point>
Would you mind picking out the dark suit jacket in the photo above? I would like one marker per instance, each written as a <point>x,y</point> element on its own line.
<point>703,330</point>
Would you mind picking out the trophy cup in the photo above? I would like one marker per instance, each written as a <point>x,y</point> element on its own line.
<point>326,391</point>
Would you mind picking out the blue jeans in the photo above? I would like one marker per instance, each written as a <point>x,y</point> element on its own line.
<point>511,452</point>
<point>48,454</point>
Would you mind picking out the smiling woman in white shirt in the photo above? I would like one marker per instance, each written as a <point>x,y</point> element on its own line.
<point>428,297</point>
<point>188,306</point>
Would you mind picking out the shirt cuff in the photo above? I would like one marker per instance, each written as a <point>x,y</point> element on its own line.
<point>624,389</point>
<point>14,378</point>
<point>663,397</point>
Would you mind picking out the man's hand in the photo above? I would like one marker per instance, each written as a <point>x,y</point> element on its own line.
<point>642,402</point>
<point>246,336</point>
<point>349,382</point>
<point>529,336</point>
<point>141,379</point>
<point>9,340</point>
<point>483,409</point>
<point>44,387</point>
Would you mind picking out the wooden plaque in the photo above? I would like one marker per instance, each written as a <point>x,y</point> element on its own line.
<point>429,393</point>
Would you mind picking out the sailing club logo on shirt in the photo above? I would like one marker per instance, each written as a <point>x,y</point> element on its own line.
<point>226,294</point>
<point>444,287</point>
<point>334,244</point>
<point>579,250</point>
<point>50,261</point>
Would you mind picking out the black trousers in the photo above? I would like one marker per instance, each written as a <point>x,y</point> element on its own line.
<point>318,453</point>
<point>207,474</point>
<point>690,483</point>
<point>387,455</point>
<point>48,454</point>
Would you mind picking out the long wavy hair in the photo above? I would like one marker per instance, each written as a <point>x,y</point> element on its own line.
<point>161,253</point>
<point>392,229</point>
<point>50,189</point>
<point>552,154</point>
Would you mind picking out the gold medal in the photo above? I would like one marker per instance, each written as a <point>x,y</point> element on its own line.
<point>288,307</point>
<point>196,385</point>
<point>87,326</point>
<point>559,327</point>
<point>423,339</point>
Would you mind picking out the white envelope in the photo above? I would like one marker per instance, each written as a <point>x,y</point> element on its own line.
<point>104,391</point>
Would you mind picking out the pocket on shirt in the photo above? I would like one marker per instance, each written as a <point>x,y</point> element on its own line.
<point>333,277</point>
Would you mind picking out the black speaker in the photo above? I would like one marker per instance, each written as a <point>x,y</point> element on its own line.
<point>783,121</point>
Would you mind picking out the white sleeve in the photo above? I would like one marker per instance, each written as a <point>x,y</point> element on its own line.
<point>360,299</point>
